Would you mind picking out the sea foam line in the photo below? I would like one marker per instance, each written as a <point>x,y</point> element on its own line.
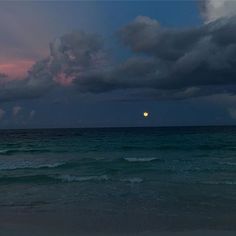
<point>71,178</point>
<point>219,182</point>
<point>133,180</point>
<point>29,166</point>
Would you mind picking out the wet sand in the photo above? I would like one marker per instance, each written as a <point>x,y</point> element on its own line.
<point>59,224</point>
<point>42,232</point>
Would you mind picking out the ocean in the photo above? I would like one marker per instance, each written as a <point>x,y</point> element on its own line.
<point>117,180</point>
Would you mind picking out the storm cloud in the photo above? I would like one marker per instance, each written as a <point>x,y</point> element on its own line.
<point>177,63</point>
<point>171,63</point>
<point>36,84</point>
<point>200,56</point>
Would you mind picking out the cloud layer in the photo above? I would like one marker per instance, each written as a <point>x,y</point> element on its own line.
<point>171,63</point>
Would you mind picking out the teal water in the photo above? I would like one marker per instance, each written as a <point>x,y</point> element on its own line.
<point>143,178</point>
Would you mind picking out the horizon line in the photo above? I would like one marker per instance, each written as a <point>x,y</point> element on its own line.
<point>121,127</point>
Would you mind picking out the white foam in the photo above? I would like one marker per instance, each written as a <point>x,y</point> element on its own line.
<point>71,178</point>
<point>228,163</point>
<point>133,180</point>
<point>4,151</point>
<point>28,165</point>
<point>220,182</point>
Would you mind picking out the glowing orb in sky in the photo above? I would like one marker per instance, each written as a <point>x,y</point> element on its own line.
<point>145,114</point>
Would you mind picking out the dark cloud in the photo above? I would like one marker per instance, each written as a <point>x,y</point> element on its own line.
<point>76,52</point>
<point>72,55</point>
<point>146,35</point>
<point>38,82</point>
<point>167,63</point>
<point>185,58</point>
<point>176,63</point>
<point>133,73</point>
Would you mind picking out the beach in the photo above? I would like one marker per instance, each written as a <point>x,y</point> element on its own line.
<point>43,225</point>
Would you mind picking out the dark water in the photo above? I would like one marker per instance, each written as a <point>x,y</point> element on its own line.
<point>137,179</point>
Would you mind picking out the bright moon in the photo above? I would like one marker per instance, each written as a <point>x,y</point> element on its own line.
<point>145,114</point>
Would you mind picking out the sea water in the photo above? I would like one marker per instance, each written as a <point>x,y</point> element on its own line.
<point>121,179</point>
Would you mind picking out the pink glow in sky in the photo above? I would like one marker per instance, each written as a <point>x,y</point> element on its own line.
<point>16,68</point>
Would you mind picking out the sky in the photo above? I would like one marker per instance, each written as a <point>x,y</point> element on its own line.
<point>103,63</point>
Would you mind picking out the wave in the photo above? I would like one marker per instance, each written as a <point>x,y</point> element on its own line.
<point>135,159</point>
<point>30,166</point>
<point>133,180</point>
<point>228,163</point>
<point>219,182</point>
<point>26,179</point>
<point>4,151</point>
<point>55,179</point>
<point>50,178</point>
<point>23,150</point>
<point>72,178</point>
<point>135,147</point>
